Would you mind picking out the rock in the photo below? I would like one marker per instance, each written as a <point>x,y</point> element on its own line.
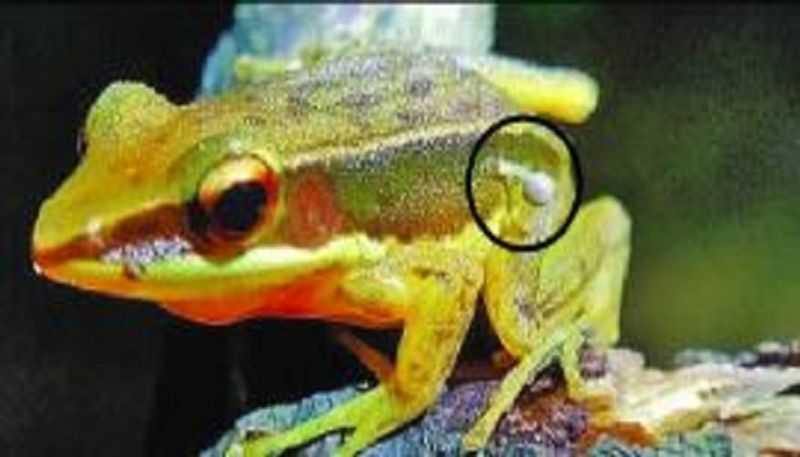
<point>708,405</point>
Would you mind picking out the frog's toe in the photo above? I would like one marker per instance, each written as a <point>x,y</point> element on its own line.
<point>595,395</point>
<point>255,443</point>
<point>571,366</point>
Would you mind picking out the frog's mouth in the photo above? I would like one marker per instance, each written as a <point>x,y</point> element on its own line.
<point>118,269</point>
<point>164,266</point>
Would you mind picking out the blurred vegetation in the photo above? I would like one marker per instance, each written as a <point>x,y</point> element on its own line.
<point>697,133</point>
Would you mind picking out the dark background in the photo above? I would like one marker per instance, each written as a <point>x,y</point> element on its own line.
<point>84,374</point>
<point>697,133</point>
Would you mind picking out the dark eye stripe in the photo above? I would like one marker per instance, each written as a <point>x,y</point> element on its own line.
<point>197,217</point>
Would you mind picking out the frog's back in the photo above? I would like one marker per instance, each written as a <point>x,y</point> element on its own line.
<point>349,101</point>
<point>389,134</point>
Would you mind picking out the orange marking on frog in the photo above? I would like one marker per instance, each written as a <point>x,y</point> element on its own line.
<point>315,296</point>
<point>313,214</point>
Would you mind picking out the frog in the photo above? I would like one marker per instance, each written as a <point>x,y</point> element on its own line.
<point>335,192</point>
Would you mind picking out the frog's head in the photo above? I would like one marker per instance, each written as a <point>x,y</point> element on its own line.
<point>178,205</point>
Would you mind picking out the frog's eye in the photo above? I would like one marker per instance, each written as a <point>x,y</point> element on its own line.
<point>234,200</point>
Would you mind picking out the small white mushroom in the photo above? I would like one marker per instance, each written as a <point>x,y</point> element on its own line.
<point>538,187</point>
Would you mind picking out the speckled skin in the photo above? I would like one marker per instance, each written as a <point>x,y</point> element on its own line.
<point>396,123</point>
<point>399,124</point>
<point>367,225</point>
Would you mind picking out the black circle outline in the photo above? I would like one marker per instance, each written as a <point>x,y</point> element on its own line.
<point>577,176</point>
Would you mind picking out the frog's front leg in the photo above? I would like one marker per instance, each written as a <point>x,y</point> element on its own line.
<point>546,305</point>
<point>436,290</point>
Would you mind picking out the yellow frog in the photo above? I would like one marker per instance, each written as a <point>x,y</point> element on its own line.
<point>336,192</point>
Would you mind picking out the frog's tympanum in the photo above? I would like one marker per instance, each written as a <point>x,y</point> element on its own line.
<point>336,192</point>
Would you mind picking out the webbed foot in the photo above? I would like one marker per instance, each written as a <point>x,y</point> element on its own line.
<point>369,416</point>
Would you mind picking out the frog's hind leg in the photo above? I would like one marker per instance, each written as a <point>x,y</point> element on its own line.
<point>437,291</point>
<point>562,93</point>
<point>502,399</point>
<point>545,305</point>
<point>374,360</point>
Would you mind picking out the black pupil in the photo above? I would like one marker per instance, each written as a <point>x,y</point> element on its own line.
<point>239,208</point>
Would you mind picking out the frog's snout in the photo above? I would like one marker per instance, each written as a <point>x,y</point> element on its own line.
<point>56,248</point>
<point>43,254</point>
<point>47,255</point>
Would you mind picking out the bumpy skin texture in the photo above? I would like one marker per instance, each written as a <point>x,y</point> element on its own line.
<point>367,223</point>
